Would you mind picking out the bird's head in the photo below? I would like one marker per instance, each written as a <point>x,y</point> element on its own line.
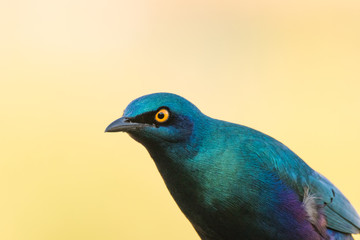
<point>159,118</point>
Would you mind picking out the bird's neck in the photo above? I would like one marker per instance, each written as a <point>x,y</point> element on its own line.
<point>181,181</point>
<point>182,174</point>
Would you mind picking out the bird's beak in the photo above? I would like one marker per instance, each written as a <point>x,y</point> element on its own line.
<point>123,125</point>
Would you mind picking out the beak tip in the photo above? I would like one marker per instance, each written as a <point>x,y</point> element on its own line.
<point>109,128</point>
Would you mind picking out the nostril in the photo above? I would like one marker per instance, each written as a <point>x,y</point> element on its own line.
<point>129,120</point>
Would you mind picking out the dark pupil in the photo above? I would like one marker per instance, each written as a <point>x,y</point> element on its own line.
<point>161,115</point>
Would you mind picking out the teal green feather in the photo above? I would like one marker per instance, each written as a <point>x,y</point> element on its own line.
<point>233,182</point>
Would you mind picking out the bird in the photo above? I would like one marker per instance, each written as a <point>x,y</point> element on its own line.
<point>234,182</point>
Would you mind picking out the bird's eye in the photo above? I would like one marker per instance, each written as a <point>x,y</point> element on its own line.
<point>162,115</point>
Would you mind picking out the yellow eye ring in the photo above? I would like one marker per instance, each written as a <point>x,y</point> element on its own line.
<point>162,115</point>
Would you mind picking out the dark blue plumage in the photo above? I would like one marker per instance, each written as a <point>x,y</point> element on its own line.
<point>233,182</point>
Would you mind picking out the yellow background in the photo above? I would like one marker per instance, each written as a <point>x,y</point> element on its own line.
<point>68,68</point>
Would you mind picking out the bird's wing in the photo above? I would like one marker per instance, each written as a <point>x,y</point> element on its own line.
<point>340,214</point>
<point>276,157</point>
<point>292,170</point>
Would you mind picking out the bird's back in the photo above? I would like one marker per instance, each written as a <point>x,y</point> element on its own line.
<point>276,168</point>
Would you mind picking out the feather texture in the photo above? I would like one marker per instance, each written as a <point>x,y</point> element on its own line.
<point>233,182</point>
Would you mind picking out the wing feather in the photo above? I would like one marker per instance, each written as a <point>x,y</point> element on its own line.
<point>340,214</point>
<point>291,169</point>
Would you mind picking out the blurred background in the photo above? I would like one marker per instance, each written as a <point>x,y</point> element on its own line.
<point>69,68</point>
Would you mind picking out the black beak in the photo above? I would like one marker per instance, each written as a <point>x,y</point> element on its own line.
<point>123,125</point>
